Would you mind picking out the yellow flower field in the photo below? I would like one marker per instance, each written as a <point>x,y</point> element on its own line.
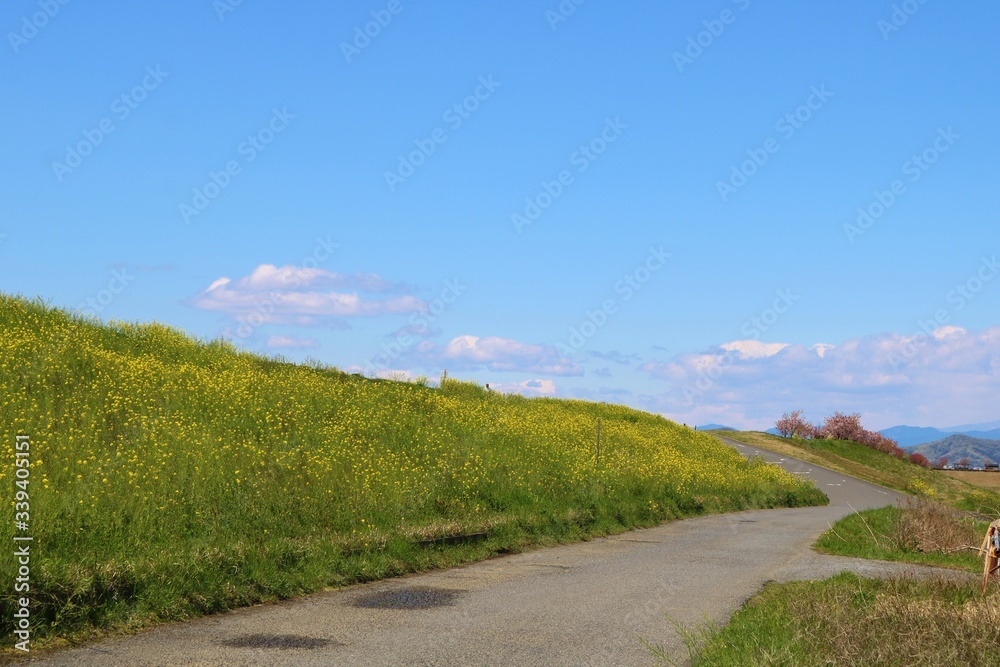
<point>171,477</point>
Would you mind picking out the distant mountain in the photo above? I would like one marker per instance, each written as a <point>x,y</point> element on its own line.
<point>772,431</point>
<point>911,436</point>
<point>993,434</point>
<point>958,446</point>
<point>716,427</point>
<point>965,428</point>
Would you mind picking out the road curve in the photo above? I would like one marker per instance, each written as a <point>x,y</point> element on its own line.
<point>576,604</point>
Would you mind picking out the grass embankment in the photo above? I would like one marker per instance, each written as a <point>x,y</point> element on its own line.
<point>846,620</point>
<point>852,621</point>
<point>877,467</point>
<point>171,478</point>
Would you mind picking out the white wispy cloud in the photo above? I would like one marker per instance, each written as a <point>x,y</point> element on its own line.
<point>495,354</point>
<point>305,296</point>
<point>948,375</point>
<point>291,342</point>
<point>527,387</point>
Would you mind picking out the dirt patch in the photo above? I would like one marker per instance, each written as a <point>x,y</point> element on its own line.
<point>278,642</point>
<point>408,598</point>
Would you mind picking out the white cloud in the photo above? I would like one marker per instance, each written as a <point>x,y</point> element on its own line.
<point>527,388</point>
<point>302,296</point>
<point>754,349</point>
<point>951,375</point>
<point>495,354</point>
<point>271,277</point>
<point>291,342</point>
<point>821,348</point>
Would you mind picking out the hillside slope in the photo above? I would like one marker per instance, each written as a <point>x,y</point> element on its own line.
<point>170,477</point>
<point>957,447</point>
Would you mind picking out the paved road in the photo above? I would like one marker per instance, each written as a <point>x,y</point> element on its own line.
<point>577,604</point>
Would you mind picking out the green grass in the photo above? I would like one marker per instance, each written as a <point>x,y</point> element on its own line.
<point>886,534</point>
<point>172,477</point>
<point>846,620</point>
<point>877,467</point>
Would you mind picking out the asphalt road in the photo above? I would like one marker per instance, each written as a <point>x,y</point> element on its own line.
<point>577,604</point>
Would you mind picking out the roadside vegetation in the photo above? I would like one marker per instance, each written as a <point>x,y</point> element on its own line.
<point>923,532</point>
<point>878,467</point>
<point>847,620</point>
<point>171,477</point>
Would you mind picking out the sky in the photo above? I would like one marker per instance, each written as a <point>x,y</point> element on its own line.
<point>716,211</point>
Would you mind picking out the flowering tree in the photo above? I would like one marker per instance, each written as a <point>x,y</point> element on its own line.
<point>942,462</point>
<point>963,462</point>
<point>839,426</point>
<point>920,460</point>
<point>792,425</point>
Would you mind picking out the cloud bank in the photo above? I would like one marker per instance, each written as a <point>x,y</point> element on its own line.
<point>947,375</point>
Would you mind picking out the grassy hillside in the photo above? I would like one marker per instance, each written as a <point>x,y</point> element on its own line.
<point>878,467</point>
<point>956,447</point>
<point>170,477</point>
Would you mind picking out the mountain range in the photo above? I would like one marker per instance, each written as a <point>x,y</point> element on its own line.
<point>911,436</point>
<point>714,427</point>
<point>979,451</point>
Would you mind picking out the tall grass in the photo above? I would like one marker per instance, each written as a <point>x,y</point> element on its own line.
<point>847,620</point>
<point>173,477</point>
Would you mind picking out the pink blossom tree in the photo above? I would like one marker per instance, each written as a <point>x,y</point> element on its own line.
<point>793,425</point>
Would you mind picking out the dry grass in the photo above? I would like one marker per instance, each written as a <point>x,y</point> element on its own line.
<point>899,622</point>
<point>930,527</point>
<point>985,480</point>
<point>847,620</point>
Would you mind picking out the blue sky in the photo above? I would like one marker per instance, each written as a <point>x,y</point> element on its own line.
<point>631,202</point>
